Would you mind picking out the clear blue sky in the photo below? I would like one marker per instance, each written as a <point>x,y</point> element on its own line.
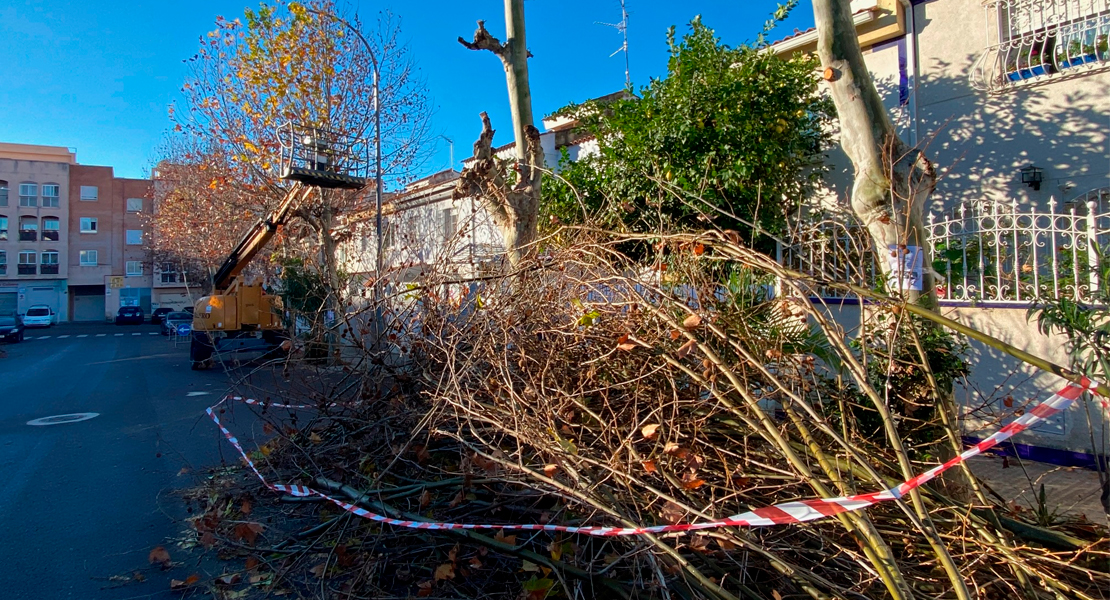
<point>99,75</point>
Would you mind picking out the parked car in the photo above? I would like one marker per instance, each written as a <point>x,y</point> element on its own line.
<point>174,320</point>
<point>11,328</point>
<point>130,314</point>
<point>39,315</point>
<point>189,309</point>
<point>159,313</point>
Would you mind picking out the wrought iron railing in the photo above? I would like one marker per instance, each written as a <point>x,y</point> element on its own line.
<point>986,252</point>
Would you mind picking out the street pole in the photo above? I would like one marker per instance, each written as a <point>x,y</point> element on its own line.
<point>377,167</point>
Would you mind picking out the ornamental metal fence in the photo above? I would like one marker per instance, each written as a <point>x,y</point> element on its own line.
<point>983,252</point>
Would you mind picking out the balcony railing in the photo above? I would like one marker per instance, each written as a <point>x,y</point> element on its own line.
<point>50,235</point>
<point>26,269</point>
<point>27,235</point>
<point>49,269</point>
<point>985,252</point>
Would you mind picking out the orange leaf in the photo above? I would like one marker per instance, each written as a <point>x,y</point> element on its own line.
<point>248,532</point>
<point>649,430</point>
<point>245,508</point>
<point>622,339</point>
<point>684,351</point>
<point>475,563</point>
<point>692,322</point>
<point>267,428</point>
<point>676,334</point>
<point>550,470</point>
<point>627,346</point>
<point>693,485</point>
<point>159,556</point>
<point>445,571</point>
<point>424,588</point>
<point>504,539</point>
<point>699,249</point>
<point>670,448</point>
<point>649,466</point>
<point>315,438</point>
<point>776,594</point>
<point>251,563</point>
<point>425,499</point>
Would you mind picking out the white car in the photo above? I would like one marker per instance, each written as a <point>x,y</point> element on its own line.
<point>39,315</point>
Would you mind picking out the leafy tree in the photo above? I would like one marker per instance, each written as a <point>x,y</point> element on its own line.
<point>731,137</point>
<point>288,61</point>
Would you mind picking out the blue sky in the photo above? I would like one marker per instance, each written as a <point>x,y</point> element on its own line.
<point>98,76</point>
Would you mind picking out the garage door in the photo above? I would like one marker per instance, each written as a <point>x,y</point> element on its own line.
<point>88,308</point>
<point>9,302</point>
<point>43,295</point>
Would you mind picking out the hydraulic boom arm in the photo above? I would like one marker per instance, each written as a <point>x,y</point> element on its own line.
<point>258,237</point>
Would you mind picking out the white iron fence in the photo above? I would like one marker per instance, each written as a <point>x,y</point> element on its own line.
<point>986,252</point>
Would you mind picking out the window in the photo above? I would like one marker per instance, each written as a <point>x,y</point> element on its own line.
<point>28,228</point>
<point>3,227</point>
<point>88,258</point>
<point>168,272</point>
<point>134,237</point>
<point>1035,38</point>
<point>449,223</point>
<point>50,195</point>
<point>88,224</point>
<point>3,193</point>
<point>134,268</point>
<point>134,205</point>
<point>27,262</point>
<point>28,194</point>
<point>51,228</point>
<point>3,262</point>
<point>49,262</point>
<point>89,193</point>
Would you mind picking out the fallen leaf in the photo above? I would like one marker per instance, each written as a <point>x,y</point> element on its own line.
<point>622,339</point>
<point>183,471</point>
<point>251,563</point>
<point>475,563</point>
<point>422,454</point>
<point>649,430</point>
<point>319,570</point>
<point>425,499</point>
<point>699,249</point>
<point>315,438</point>
<point>453,553</point>
<point>504,539</point>
<point>267,429</point>
<point>725,544</point>
<point>424,588</point>
<point>228,579</point>
<point>692,322</point>
<point>693,484</point>
<point>445,571</point>
<point>670,448</point>
<point>248,532</point>
<point>159,556</point>
<point>672,513</point>
<point>684,351</point>
<point>550,470</point>
<point>245,507</point>
<point>529,566</point>
<point>649,466</point>
<point>177,584</point>
<point>207,539</point>
<point>627,346</point>
<point>776,594</point>
<point>457,500</point>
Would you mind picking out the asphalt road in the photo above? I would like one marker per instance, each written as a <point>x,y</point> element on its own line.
<point>82,502</point>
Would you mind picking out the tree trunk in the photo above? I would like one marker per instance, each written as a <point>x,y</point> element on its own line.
<point>892,180</point>
<point>514,205</point>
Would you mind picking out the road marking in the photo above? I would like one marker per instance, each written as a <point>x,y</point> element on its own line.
<point>136,334</point>
<point>101,334</point>
<point>119,335</point>
<point>44,337</point>
<point>59,419</point>
<point>83,335</point>
<point>153,333</point>
<point>191,394</point>
<point>62,337</point>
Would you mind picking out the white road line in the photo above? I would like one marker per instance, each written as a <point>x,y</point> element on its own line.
<point>62,337</point>
<point>136,334</point>
<point>101,334</point>
<point>153,333</point>
<point>83,335</point>
<point>44,337</point>
<point>119,335</point>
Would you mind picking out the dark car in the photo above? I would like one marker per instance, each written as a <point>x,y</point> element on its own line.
<point>130,314</point>
<point>11,328</point>
<point>159,313</point>
<point>174,321</point>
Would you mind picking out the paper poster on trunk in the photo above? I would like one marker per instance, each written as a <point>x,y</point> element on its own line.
<point>906,264</point>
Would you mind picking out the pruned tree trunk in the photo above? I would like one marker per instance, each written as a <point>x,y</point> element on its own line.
<point>892,180</point>
<point>514,205</point>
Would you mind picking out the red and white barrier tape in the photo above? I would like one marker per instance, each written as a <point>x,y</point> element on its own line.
<point>779,514</point>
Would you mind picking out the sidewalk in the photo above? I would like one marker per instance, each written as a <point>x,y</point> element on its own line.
<point>1071,491</point>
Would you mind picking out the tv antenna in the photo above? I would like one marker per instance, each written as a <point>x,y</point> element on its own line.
<point>621,28</point>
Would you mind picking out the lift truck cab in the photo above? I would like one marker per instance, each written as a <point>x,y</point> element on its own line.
<point>241,316</point>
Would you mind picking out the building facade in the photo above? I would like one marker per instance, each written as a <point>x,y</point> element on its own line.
<point>109,260</point>
<point>34,206</point>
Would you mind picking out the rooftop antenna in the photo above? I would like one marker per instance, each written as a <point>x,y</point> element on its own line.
<point>621,28</point>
